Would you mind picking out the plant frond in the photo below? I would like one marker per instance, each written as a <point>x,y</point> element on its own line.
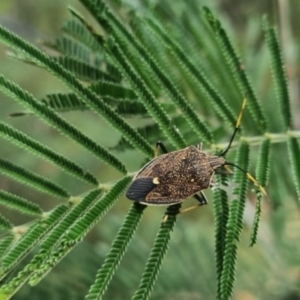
<point>237,69</point>
<point>72,48</point>
<point>4,223</point>
<point>78,31</point>
<point>20,204</point>
<point>157,255</point>
<point>221,211</point>
<point>30,238</point>
<point>85,94</point>
<point>64,102</point>
<point>5,244</point>
<point>146,96</point>
<point>279,73</point>
<point>294,156</point>
<point>84,71</point>
<point>234,223</point>
<point>69,218</point>
<point>52,239</point>
<point>121,34</point>
<point>263,163</point>
<point>114,90</point>
<point>116,252</point>
<point>255,226</point>
<point>80,228</point>
<point>32,179</point>
<point>95,213</point>
<point>49,115</point>
<point>23,141</point>
<point>220,104</point>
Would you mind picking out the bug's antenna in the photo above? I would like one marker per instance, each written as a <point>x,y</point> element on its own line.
<point>251,178</point>
<point>237,125</point>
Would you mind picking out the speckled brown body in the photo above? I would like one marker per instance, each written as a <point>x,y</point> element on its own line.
<point>173,177</point>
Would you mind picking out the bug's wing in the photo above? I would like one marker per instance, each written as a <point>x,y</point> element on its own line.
<point>169,194</point>
<point>140,188</point>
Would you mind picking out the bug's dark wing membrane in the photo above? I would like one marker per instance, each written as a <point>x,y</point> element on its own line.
<point>140,188</point>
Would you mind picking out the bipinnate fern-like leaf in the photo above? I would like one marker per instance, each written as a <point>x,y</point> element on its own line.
<point>279,74</point>
<point>263,163</point>
<point>72,48</point>
<point>238,70</point>
<point>123,35</point>
<point>78,31</point>
<point>32,179</point>
<point>234,224</point>
<point>53,238</point>
<point>221,211</point>
<point>79,208</point>
<point>220,104</point>
<point>255,226</point>
<point>31,145</point>
<point>33,234</point>
<point>70,102</point>
<point>262,176</point>
<point>80,228</point>
<point>113,90</point>
<point>116,252</point>
<point>145,95</point>
<point>51,117</point>
<point>20,204</point>
<point>4,223</point>
<point>294,156</point>
<point>86,95</point>
<point>84,71</point>
<point>64,102</point>
<point>157,255</point>
<point>5,243</point>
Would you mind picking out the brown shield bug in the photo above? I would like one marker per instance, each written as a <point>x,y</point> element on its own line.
<point>172,177</point>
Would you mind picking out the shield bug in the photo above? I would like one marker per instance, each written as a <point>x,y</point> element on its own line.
<point>172,177</point>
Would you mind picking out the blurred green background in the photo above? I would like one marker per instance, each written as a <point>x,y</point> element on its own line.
<point>270,270</point>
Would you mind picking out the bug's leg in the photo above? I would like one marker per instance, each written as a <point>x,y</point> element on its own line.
<point>202,201</point>
<point>160,145</point>
<point>201,198</point>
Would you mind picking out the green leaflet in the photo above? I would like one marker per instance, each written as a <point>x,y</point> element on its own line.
<point>29,239</point>
<point>121,34</point>
<point>84,71</point>
<point>20,204</point>
<point>32,179</point>
<point>202,80</point>
<point>255,226</point>
<point>87,96</point>
<point>47,114</point>
<point>263,164</point>
<point>39,149</point>
<point>294,156</point>
<point>157,255</point>
<point>279,74</point>
<point>237,70</point>
<point>221,211</point>
<point>234,225</point>
<point>116,252</point>
<point>80,228</point>
<point>4,223</point>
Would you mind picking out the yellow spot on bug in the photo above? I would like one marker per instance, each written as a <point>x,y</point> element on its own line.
<point>192,180</point>
<point>156,180</point>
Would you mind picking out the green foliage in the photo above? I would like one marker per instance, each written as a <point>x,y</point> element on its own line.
<point>157,73</point>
